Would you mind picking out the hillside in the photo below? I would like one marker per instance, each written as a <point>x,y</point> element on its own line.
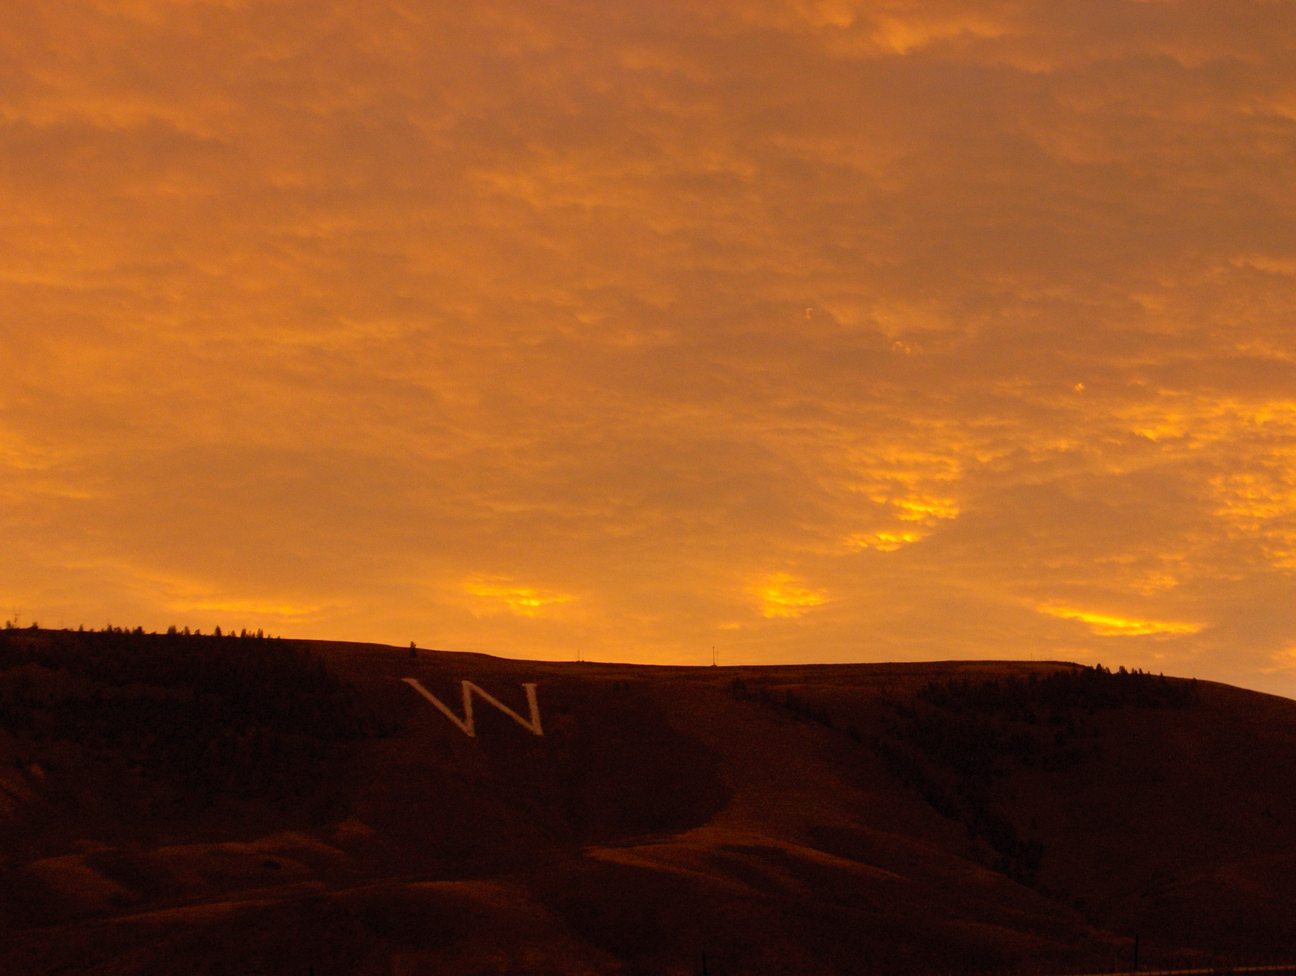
<point>234,805</point>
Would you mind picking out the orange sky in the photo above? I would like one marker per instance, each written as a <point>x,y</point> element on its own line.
<point>814,330</point>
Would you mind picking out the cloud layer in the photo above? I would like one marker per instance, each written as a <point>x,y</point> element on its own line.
<point>808,330</point>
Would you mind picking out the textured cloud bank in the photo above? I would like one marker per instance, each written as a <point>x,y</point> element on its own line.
<point>809,330</point>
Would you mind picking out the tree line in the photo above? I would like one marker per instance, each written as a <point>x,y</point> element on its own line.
<point>197,715</point>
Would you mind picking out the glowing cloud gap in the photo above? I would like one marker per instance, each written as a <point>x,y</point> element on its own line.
<point>884,540</point>
<point>505,595</point>
<point>784,596</point>
<point>1109,625</point>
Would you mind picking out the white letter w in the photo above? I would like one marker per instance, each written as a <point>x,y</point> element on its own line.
<point>467,724</point>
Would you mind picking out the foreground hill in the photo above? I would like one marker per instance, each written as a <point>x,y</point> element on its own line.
<point>217,805</point>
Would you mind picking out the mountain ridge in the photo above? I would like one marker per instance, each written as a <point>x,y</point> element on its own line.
<point>962,816</point>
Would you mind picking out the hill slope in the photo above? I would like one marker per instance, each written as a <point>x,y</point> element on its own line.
<point>207,805</point>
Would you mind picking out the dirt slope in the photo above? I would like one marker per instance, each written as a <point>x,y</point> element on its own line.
<point>900,818</point>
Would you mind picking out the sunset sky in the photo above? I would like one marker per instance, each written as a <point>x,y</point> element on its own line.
<point>811,330</point>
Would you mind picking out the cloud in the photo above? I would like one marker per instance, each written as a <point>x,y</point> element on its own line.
<point>947,311</point>
<point>498,595</point>
<point>782,595</point>
<point>1110,625</point>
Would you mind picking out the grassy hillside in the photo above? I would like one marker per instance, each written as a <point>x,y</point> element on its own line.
<point>240,805</point>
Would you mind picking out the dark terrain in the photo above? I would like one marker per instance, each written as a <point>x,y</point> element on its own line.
<point>235,805</point>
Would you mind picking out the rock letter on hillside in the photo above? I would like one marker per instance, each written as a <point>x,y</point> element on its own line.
<point>467,724</point>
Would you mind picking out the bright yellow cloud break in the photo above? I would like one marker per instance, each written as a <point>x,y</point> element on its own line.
<point>1110,625</point>
<point>497,595</point>
<point>782,595</point>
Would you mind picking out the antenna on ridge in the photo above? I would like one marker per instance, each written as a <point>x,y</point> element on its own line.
<point>713,656</point>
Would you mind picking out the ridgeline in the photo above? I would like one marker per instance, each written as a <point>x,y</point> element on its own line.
<point>240,804</point>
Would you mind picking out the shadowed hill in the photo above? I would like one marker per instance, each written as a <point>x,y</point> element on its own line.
<point>218,805</point>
